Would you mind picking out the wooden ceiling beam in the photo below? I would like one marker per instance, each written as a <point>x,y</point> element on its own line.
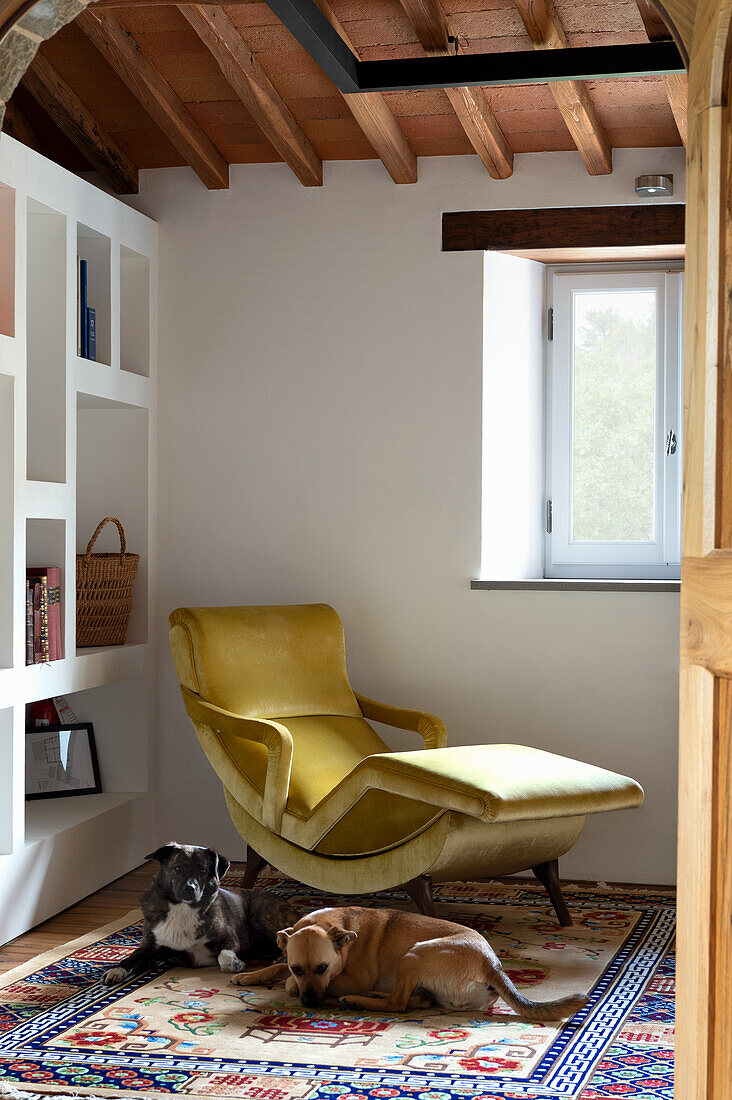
<point>64,107</point>
<point>571,96</point>
<point>677,90</point>
<point>656,29</point>
<point>104,4</point>
<point>250,82</point>
<point>16,124</point>
<point>470,104</point>
<point>374,116</point>
<point>677,86</point>
<point>121,51</point>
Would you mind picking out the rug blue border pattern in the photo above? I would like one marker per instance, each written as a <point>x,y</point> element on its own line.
<point>565,1070</point>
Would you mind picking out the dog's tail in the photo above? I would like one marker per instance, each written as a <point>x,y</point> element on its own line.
<point>534,1011</point>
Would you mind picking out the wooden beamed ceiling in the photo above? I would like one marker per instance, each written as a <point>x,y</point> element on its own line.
<point>136,84</point>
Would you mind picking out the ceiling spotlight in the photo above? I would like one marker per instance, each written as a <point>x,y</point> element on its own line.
<point>655,186</point>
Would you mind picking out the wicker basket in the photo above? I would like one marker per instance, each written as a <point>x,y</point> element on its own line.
<point>104,587</point>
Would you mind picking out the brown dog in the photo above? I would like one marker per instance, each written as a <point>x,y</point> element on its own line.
<point>388,960</point>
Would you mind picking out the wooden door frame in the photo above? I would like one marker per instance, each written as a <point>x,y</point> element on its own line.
<point>704,1002</point>
<point>703,30</point>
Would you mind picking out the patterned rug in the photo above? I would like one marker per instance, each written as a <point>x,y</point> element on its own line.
<point>190,1033</point>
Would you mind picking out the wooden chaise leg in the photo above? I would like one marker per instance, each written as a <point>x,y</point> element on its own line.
<point>548,875</point>
<point>255,864</point>
<point>420,891</point>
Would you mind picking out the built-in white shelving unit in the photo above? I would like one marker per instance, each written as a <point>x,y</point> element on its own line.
<point>77,443</point>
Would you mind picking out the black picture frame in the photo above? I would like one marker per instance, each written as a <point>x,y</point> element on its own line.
<point>44,732</point>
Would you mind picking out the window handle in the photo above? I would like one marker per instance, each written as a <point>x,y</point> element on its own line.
<point>670,442</point>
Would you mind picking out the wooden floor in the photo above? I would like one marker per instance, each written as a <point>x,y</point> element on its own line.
<point>108,904</point>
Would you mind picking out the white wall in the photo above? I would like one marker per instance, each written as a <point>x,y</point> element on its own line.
<point>513,418</point>
<point>320,439</point>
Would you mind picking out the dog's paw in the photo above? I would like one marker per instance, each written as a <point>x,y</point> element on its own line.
<point>239,979</point>
<point>347,1002</point>
<point>114,976</point>
<point>230,962</point>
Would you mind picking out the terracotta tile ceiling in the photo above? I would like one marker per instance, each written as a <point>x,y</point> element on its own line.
<point>632,112</point>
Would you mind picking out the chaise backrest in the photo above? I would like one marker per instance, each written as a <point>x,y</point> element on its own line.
<point>264,662</point>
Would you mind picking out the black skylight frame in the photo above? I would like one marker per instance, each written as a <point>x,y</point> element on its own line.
<point>305,20</point>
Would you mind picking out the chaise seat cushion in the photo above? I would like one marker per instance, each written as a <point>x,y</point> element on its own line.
<point>498,782</point>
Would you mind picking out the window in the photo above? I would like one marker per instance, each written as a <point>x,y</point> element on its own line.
<point>613,454</point>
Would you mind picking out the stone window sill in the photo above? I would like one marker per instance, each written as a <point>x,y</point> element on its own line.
<point>542,584</point>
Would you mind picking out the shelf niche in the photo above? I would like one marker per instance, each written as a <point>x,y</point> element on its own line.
<point>95,248</point>
<point>7,464</point>
<point>7,260</point>
<point>111,480</point>
<point>113,710</point>
<point>46,339</point>
<point>134,271</point>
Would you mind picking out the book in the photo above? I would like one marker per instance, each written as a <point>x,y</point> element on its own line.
<point>45,650</point>
<point>36,623</point>
<point>78,305</point>
<point>55,644</point>
<point>28,623</point>
<point>91,329</point>
<point>66,715</point>
<point>40,622</point>
<point>83,308</point>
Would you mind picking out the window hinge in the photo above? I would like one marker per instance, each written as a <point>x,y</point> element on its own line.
<point>670,442</point>
<point>550,324</point>
<point>549,517</point>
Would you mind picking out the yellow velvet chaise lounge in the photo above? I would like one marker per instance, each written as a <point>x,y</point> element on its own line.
<point>314,790</point>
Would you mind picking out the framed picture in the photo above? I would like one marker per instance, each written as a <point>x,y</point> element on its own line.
<point>61,761</point>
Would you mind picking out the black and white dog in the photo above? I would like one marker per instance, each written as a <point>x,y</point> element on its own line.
<point>191,920</point>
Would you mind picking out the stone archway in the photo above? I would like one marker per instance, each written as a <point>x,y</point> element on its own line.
<point>23,27</point>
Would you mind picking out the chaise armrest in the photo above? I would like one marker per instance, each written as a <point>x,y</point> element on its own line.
<point>431,729</point>
<point>276,739</point>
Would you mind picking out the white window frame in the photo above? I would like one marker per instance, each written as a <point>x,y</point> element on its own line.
<point>660,557</point>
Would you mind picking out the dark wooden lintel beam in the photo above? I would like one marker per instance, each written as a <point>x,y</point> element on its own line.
<point>564,227</point>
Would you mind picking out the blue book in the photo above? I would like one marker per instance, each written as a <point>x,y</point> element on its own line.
<point>83,317</point>
<point>91,333</point>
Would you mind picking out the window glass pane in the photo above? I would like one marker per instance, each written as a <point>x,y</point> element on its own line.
<point>614,345</point>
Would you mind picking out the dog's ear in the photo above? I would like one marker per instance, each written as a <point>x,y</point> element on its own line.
<point>341,936</point>
<point>167,850</point>
<point>220,863</point>
<point>282,938</point>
